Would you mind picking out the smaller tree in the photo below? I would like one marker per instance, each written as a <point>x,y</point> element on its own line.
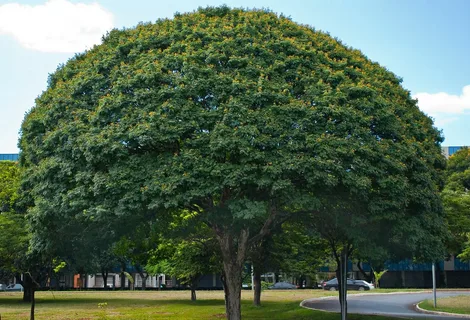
<point>456,200</point>
<point>187,250</point>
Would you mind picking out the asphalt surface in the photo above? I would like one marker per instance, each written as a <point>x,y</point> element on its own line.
<point>395,305</point>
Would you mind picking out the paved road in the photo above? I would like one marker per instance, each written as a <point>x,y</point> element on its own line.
<point>399,305</point>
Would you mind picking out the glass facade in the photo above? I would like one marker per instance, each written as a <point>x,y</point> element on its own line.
<point>453,150</point>
<point>448,151</point>
<point>9,156</point>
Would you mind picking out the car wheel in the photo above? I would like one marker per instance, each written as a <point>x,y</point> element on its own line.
<point>361,289</point>
<point>332,289</point>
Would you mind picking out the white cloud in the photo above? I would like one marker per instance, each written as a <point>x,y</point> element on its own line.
<point>442,102</point>
<point>443,106</point>
<point>56,26</point>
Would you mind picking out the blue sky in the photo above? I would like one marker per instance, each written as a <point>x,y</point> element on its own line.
<point>426,42</point>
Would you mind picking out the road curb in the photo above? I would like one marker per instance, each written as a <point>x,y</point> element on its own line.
<point>315,299</point>
<point>356,295</point>
<point>416,306</point>
<point>441,313</point>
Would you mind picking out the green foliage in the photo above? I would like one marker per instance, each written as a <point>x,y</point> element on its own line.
<point>59,266</point>
<point>240,116</point>
<point>187,250</point>
<point>296,250</point>
<point>14,236</point>
<point>265,285</point>
<point>456,199</point>
<point>465,254</point>
<point>13,242</point>
<point>207,107</point>
<point>378,276</point>
<point>129,277</point>
<point>9,185</point>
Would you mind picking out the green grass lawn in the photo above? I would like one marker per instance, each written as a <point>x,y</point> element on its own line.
<point>459,304</point>
<point>136,305</point>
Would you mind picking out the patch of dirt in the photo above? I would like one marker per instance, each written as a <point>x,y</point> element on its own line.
<point>220,315</point>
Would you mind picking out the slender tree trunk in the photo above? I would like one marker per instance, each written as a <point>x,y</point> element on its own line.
<point>341,276</point>
<point>104,274</point>
<point>123,276</point>
<point>144,277</point>
<point>369,277</point>
<point>193,293</point>
<point>233,255</point>
<point>257,287</point>
<point>194,285</point>
<point>33,304</point>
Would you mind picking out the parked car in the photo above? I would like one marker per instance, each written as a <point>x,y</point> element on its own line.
<point>360,285</point>
<point>2,287</point>
<point>14,287</point>
<point>283,285</point>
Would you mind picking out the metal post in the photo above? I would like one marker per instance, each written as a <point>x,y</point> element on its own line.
<point>434,283</point>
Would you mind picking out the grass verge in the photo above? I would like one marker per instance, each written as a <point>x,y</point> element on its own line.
<point>140,305</point>
<point>458,304</point>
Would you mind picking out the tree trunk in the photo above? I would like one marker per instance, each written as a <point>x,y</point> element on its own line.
<point>233,255</point>
<point>33,304</point>
<point>233,291</point>
<point>27,294</point>
<point>257,287</point>
<point>144,277</point>
<point>194,285</point>
<point>368,277</point>
<point>308,282</point>
<point>27,284</point>
<point>104,273</point>
<point>341,276</point>
<point>123,276</point>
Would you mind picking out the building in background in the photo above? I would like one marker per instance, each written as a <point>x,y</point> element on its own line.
<point>8,156</point>
<point>448,151</point>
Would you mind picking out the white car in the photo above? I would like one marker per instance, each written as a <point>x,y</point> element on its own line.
<point>14,287</point>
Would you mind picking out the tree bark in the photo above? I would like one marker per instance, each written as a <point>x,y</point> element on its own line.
<point>193,285</point>
<point>104,273</point>
<point>144,277</point>
<point>257,287</point>
<point>193,294</point>
<point>123,276</point>
<point>233,293</point>
<point>27,284</point>
<point>369,277</point>
<point>340,276</point>
<point>27,294</point>
<point>33,304</point>
<point>233,255</point>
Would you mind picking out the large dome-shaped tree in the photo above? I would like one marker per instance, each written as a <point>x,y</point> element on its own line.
<point>241,118</point>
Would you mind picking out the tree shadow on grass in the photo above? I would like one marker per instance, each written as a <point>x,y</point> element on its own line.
<point>62,302</point>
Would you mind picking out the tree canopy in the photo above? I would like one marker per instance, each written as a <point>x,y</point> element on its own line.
<point>242,117</point>
<point>456,199</point>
